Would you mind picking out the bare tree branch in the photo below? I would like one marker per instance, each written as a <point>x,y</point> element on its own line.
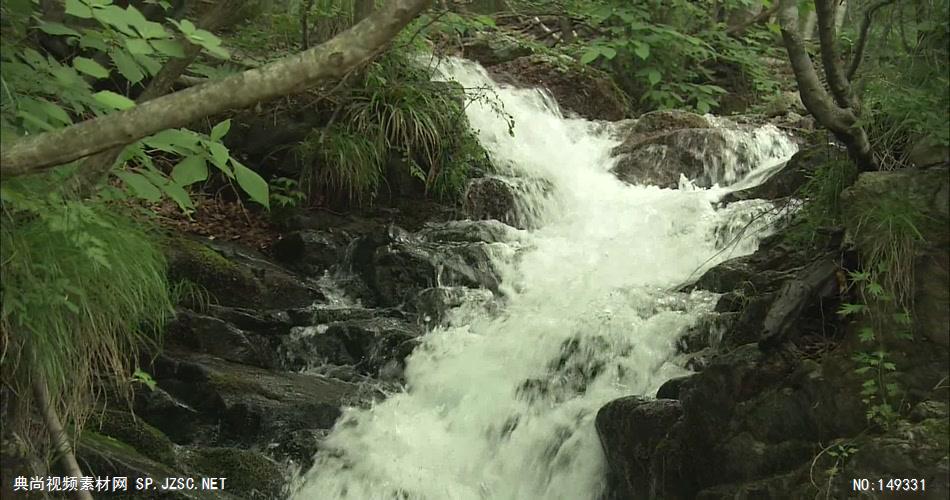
<point>863,37</point>
<point>327,61</point>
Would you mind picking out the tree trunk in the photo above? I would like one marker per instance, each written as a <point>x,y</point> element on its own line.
<point>57,433</point>
<point>840,119</point>
<point>328,61</point>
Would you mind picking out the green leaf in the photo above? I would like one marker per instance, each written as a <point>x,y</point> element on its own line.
<point>114,16</point>
<point>138,46</point>
<point>149,63</point>
<point>90,67</point>
<point>642,50</point>
<point>849,309</point>
<point>93,40</point>
<point>179,195</point>
<point>57,29</point>
<point>78,9</point>
<point>190,170</point>
<point>111,99</point>
<point>127,66</point>
<point>251,183</point>
<point>219,154</point>
<point>653,76</point>
<point>220,130</point>
<point>590,55</point>
<point>170,48</point>
<point>174,141</point>
<point>140,185</point>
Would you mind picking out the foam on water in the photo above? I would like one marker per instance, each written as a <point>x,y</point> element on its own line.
<point>501,405</point>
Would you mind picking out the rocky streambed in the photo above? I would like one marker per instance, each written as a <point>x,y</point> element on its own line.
<point>253,376</point>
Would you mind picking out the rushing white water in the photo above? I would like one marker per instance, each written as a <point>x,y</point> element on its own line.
<point>502,406</point>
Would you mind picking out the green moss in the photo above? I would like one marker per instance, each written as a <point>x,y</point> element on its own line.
<point>193,262</point>
<point>237,383</point>
<point>249,474</point>
<point>136,433</point>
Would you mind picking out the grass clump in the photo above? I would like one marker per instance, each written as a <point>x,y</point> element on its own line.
<point>84,289</point>
<point>395,112</point>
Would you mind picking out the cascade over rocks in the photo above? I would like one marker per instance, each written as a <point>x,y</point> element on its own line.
<point>256,378</point>
<point>583,90</point>
<point>777,383</point>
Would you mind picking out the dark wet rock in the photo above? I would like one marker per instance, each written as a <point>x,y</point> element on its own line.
<point>699,154</point>
<point>584,90</point>
<point>236,276</point>
<point>135,432</point>
<point>104,456</point>
<point>432,304</point>
<point>210,335</point>
<point>789,179</point>
<point>271,323</point>
<point>631,430</point>
<point>667,120</point>
<point>467,231</point>
<point>252,474</point>
<point>911,450</point>
<point>367,344</point>
<point>671,388</point>
<point>243,405</point>
<point>311,251</point>
<point>501,198</point>
<point>300,446</point>
<point>178,420</point>
<point>493,48</point>
<point>397,265</point>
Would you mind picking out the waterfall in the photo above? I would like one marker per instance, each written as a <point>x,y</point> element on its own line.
<point>501,405</point>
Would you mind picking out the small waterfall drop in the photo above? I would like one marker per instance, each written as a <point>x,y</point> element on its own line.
<point>502,405</point>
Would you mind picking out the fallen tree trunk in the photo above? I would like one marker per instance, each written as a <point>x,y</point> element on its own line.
<point>327,61</point>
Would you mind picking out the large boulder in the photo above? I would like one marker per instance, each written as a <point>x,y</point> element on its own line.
<point>491,48</point>
<point>586,91</point>
<point>661,146</point>
<point>366,344</point>
<point>311,251</point>
<point>631,429</point>
<point>397,265</point>
<point>505,199</point>
<point>236,276</point>
<point>703,155</point>
<point>921,197</point>
<point>229,404</point>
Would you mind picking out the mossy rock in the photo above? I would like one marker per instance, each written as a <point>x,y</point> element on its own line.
<point>227,282</point>
<point>587,91</point>
<point>136,433</point>
<point>101,455</point>
<point>249,474</point>
<point>669,119</point>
